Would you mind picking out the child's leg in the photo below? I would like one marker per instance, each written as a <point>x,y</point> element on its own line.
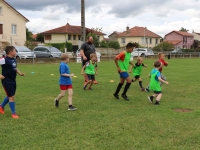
<point>61,95</point>
<point>134,79</point>
<point>163,77</point>
<point>121,82</point>
<point>70,93</point>
<point>91,83</point>
<point>151,97</point>
<point>12,104</point>
<point>5,101</point>
<point>128,83</point>
<point>140,83</point>
<point>158,98</point>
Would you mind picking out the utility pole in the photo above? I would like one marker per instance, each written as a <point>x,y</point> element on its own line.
<point>83,20</point>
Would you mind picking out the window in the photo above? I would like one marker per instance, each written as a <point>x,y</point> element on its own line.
<point>79,37</point>
<point>1,10</point>
<point>150,40</point>
<point>14,29</point>
<point>47,37</point>
<point>146,40</point>
<point>69,37</point>
<point>123,40</point>
<point>156,41</point>
<point>74,37</point>
<point>1,28</point>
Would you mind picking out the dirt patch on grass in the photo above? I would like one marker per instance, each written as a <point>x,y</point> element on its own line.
<point>182,110</point>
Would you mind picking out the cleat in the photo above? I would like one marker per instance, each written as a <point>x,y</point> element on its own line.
<point>72,108</point>
<point>150,99</point>
<point>85,86</point>
<point>125,97</point>
<point>1,110</point>
<point>15,116</point>
<point>147,90</point>
<point>142,89</point>
<point>116,96</point>
<point>56,103</point>
<point>89,88</point>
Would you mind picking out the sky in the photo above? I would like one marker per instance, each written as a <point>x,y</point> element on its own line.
<point>159,16</point>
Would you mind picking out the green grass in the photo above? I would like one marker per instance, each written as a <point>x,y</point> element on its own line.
<point>102,122</point>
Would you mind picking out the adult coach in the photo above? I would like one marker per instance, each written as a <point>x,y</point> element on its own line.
<point>86,49</point>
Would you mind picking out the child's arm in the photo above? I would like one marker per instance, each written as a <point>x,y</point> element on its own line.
<point>119,57</point>
<point>145,65</point>
<point>96,71</point>
<point>67,75</point>
<point>131,68</point>
<point>19,73</point>
<point>163,81</point>
<point>83,68</point>
<point>1,76</point>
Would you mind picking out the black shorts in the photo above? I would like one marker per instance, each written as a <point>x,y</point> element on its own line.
<point>91,77</point>
<point>10,89</point>
<point>157,92</point>
<point>137,77</point>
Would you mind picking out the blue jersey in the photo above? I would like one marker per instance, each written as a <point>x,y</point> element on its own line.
<point>64,69</point>
<point>9,69</point>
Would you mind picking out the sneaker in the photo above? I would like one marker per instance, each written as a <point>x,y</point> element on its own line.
<point>72,108</point>
<point>1,110</point>
<point>157,103</point>
<point>56,103</point>
<point>150,99</point>
<point>147,90</point>
<point>142,89</point>
<point>89,88</point>
<point>85,86</point>
<point>116,96</point>
<point>125,97</point>
<point>15,116</point>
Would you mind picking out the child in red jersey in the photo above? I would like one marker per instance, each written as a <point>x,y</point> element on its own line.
<point>161,59</point>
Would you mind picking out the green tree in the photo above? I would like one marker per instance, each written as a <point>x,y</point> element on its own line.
<point>164,46</point>
<point>40,38</point>
<point>95,39</point>
<point>114,44</point>
<point>103,44</point>
<point>183,29</point>
<point>28,35</point>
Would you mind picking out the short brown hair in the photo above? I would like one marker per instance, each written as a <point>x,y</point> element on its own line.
<point>64,56</point>
<point>159,54</point>
<point>157,64</point>
<point>9,49</point>
<point>139,58</point>
<point>92,55</point>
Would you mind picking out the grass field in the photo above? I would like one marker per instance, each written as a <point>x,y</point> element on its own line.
<point>102,122</point>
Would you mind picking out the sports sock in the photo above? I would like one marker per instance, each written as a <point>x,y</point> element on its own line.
<point>70,105</point>
<point>5,101</point>
<point>132,80</point>
<point>118,88</point>
<point>157,102</point>
<point>126,88</point>
<point>151,97</point>
<point>12,107</point>
<point>140,83</point>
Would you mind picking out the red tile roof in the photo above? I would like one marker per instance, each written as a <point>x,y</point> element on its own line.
<point>16,11</point>
<point>139,32</point>
<point>115,32</point>
<point>174,42</point>
<point>70,29</point>
<point>34,36</point>
<point>182,33</point>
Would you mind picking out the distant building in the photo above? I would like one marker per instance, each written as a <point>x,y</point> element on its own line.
<point>114,36</point>
<point>12,26</point>
<point>140,35</point>
<point>180,39</point>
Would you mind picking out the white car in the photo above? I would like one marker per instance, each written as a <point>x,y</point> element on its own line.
<point>142,52</point>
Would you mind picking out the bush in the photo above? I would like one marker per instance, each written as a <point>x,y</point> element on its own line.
<point>190,50</point>
<point>62,46</point>
<point>114,44</point>
<point>103,44</point>
<point>164,46</point>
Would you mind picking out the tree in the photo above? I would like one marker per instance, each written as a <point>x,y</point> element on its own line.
<point>40,38</point>
<point>114,44</point>
<point>164,46</point>
<point>183,29</point>
<point>103,44</point>
<point>95,39</point>
<point>28,35</point>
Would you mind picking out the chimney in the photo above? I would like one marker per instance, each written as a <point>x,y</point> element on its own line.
<point>127,29</point>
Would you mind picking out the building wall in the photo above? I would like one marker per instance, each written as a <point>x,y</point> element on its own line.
<point>140,40</point>
<point>7,18</point>
<point>113,37</point>
<point>196,36</point>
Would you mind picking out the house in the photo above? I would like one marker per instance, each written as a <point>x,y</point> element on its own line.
<point>34,37</point>
<point>12,26</point>
<point>114,36</point>
<point>196,36</point>
<point>69,33</point>
<point>140,35</point>
<point>180,39</point>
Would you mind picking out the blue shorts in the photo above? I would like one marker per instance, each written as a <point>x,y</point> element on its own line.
<point>10,89</point>
<point>124,75</point>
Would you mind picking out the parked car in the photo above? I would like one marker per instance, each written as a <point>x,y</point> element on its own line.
<point>142,52</point>
<point>46,52</point>
<point>22,52</point>
<point>176,51</point>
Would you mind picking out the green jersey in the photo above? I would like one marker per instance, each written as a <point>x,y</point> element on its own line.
<point>137,69</point>
<point>154,82</point>
<point>123,62</point>
<point>89,67</point>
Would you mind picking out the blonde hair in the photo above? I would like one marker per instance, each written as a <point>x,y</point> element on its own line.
<point>64,57</point>
<point>92,55</point>
<point>139,58</point>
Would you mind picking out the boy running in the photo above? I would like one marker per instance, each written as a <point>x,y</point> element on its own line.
<point>65,82</point>
<point>155,83</point>
<point>90,71</point>
<point>161,57</point>
<point>9,73</point>
<point>137,69</point>
<point>122,62</point>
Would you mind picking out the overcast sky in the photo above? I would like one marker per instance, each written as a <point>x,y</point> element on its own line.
<point>159,16</point>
